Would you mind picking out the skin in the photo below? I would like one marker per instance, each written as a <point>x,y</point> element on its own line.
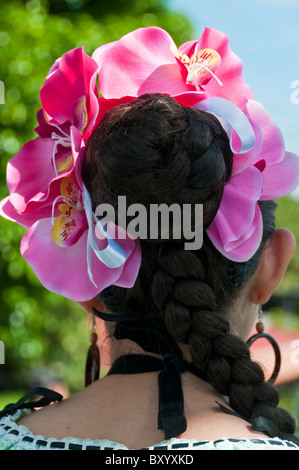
<point>123,408</point>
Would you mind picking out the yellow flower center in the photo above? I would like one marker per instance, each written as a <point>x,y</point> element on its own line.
<point>201,66</point>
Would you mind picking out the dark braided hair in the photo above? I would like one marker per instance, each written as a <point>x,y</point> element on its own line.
<point>153,151</point>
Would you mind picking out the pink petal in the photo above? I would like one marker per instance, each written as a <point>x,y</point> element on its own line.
<point>44,203</point>
<point>8,211</point>
<point>43,129</point>
<point>190,98</point>
<point>165,79</point>
<point>92,106</point>
<point>78,151</point>
<point>140,62</point>
<point>30,171</point>
<point>101,53</point>
<point>32,180</point>
<point>129,272</point>
<point>237,214</point>
<point>64,270</point>
<point>281,178</point>
<point>273,149</point>
<point>72,77</point>
<point>188,48</point>
<point>106,104</point>
<point>242,249</point>
<point>46,128</point>
<point>25,219</point>
<point>229,71</point>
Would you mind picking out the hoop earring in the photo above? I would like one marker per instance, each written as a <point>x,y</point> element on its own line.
<point>92,368</point>
<point>260,328</point>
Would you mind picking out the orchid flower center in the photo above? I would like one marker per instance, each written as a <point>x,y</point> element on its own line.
<point>61,161</point>
<point>80,114</point>
<point>68,202</point>
<point>201,66</point>
<point>71,223</point>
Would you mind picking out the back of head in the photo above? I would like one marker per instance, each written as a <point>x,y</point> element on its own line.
<point>155,151</point>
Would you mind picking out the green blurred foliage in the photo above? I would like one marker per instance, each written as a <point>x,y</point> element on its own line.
<point>287,216</point>
<point>41,330</point>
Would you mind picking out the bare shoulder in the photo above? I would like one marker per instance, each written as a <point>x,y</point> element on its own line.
<point>207,420</point>
<point>50,421</point>
<point>214,424</point>
<point>113,409</point>
<point>124,410</point>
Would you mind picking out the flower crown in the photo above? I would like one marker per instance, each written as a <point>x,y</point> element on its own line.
<point>47,194</point>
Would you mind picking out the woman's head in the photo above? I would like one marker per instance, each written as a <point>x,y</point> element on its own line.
<point>154,151</point>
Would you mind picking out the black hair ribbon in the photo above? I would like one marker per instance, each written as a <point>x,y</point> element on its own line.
<point>260,424</point>
<point>46,397</point>
<point>171,416</point>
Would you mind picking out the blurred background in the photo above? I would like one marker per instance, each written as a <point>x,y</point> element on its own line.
<point>45,336</point>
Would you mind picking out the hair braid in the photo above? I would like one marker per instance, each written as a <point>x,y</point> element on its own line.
<point>194,316</point>
<point>155,151</point>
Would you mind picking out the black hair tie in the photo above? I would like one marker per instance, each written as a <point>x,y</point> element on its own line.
<point>171,416</point>
<point>47,397</point>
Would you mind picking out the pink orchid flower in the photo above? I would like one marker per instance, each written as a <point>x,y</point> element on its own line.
<point>46,171</point>
<point>266,172</point>
<point>70,100</point>
<point>70,94</point>
<point>148,61</point>
<point>64,251</point>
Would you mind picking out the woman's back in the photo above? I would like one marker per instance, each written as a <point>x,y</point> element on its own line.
<point>124,408</point>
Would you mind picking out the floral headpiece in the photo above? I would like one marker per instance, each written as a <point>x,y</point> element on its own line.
<point>47,194</point>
